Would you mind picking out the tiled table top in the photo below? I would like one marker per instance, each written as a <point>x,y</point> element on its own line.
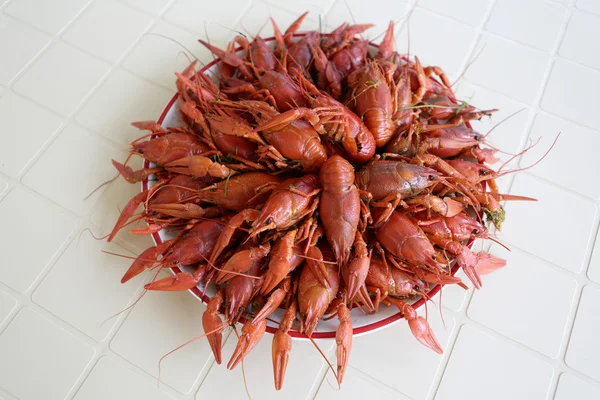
<point>74,73</point>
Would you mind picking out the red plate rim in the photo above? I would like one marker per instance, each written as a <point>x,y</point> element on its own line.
<point>316,335</point>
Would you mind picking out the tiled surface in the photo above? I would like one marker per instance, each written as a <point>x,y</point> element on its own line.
<point>514,19</point>
<point>304,369</point>
<point>426,29</point>
<point>570,81</point>
<point>112,43</point>
<point>555,292</point>
<point>140,101</point>
<point>570,387</point>
<point>61,89</point>
<point>581,24</point>
<point>510,79</point>
<point>33,347</point>
<point>583,352</point>
<point>180,314</point>
<point>69,177</point>
<point>19,150</point>
<point>111,380</point>
<point>42,225</point>
<point>544,238</point>
<point>16,55</point>
<point>509,373</point>
<point>82,70</point>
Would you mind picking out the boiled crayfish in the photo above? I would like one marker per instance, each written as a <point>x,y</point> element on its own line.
<point>319,178</point>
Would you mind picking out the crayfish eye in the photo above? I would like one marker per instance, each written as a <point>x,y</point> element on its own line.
<point>405,135</point>
<point>268,221</point>
<point>476,231</point>
<point>483,172</point>
<point>431,177</point>
<point>434,258</point>
<point>477,137</point>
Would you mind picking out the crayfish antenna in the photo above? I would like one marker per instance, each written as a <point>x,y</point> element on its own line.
<point>185,344</point>
<point>325,358</point>
<point>91,234</point>
<point>100,186</point>
<point>132,304</point>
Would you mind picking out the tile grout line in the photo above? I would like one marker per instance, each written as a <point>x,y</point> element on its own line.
<point>71,117</point>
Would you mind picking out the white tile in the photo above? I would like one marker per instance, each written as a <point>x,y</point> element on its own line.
<point>58,88</point>
<point>571,81</point>
<point>541,318</point>
<point>507,125</point>
<point>314,7</point>
<point>127,25</point>
<point>122,99</point>
<point>154,7</point>
<point>45,15</point>
<point>84,266</point>
<point>594,267</point>
<point>492,70</point>
<point>356,386</point>
<point>303,369</point>
<point>588,5</point>
<point>360,12</point>
<point>157,58</point>
<point>514,20</point>
<point>481,363</point>
<point>256,20</point>
<point>571,387</point>
<point>7,305</point>
<point>67,176</point>
<point>192,15</point>
<point>468,11</point>
<point>111,380</point>
<point>16,54</point>
<point>113,200</point>
<point>164,321</point>
<point>528,225</point>
<point>40,360</point>
<point>581,27</point>
<point>38,230</point>
<point>28,135</point>
<point>568,164</point>
<point>426,30</point>
<point>3,185</point>
<point>583,350</point>
<point>394,357</point>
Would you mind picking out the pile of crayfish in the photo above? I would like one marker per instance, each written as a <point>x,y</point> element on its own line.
<point>317,175</point>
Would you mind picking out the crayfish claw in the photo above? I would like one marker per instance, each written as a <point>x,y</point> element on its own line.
<point>422,332</point>
<point>282,346</point>
<point>181,281</point>
<point>251,335</point>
